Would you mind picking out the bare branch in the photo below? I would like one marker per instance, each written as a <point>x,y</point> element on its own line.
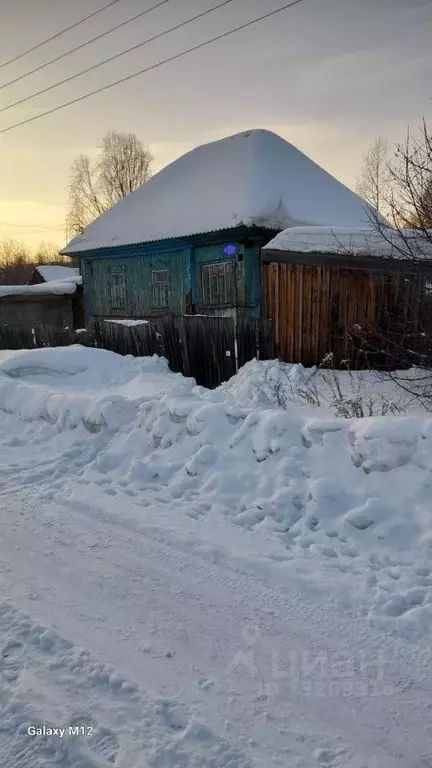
<point>123,165</point>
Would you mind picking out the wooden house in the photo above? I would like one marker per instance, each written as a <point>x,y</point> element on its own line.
<point>16,275</point>
<point>190,239</point>
<point>51,295</point>
<point>49,273</point>
<point>321,284</point>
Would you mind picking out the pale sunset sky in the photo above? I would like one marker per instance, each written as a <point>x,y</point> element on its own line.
<point>327,75</point>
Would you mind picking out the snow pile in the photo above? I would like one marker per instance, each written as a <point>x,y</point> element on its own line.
<point>254,178</point>
<point>55,272</point>
<point>73,385</point>
<point>67,285</point>
<point>272,384</point>
<point>343,503</point>
<point>363,241</point>
<point>129,322</point>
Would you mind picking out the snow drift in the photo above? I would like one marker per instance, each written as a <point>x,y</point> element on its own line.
<point>343,502</point>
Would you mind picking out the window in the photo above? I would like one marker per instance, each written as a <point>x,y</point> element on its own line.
<point>117,289</point>
<point>160,288</point>
<point>218,283</point>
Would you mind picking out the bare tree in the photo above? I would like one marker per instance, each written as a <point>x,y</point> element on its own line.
<point>48,253</point>
<point>13,253</point>
<point>409,201</point>
<point>374,180</point>
<point>123,164</point>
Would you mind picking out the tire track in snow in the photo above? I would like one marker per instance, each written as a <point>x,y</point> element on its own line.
<point>151,571</point>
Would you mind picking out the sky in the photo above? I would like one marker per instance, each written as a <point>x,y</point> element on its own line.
<point>327,75</point>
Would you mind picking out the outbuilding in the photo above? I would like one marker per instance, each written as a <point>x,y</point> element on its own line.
<point>322,284</point>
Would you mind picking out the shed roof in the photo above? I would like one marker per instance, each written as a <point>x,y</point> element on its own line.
<point>255,178</point>
<point>365,242</point>
<point>51,272</point>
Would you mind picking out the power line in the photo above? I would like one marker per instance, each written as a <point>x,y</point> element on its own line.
<point>58,34</point>
<point>42,228</point>
<point>80,47</point>
<point>116,56</point>
<point>38,232</point>
<point>153,66</point>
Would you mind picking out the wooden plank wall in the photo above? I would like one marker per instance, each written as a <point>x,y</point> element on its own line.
<point>312,308</point>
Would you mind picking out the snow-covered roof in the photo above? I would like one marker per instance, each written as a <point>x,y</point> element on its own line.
<point>252,178</point>
<point>56,272</point>
<point>388,243</point>
<point>55,287</point>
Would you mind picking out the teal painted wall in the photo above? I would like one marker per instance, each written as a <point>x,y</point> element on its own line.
<point>183,260</point>
<point>248,273</point>
<point>138,283</point>
<point>204,255</point>
<point>252,279</point>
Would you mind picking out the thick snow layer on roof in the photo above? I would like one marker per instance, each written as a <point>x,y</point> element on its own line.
<point>55,287</point>
<point>392,243</point>
<point>56,272</point>
<point>252,178</point>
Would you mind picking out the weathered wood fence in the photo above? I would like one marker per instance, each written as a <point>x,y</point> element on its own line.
<point>210,349</point>
<point>358,317</point>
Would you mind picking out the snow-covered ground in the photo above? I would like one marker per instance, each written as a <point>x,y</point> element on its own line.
<point>234,578</point>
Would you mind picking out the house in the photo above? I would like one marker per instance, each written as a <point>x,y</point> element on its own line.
<point>48,273</point>
<point>49,303</point>
<point>189,240</point>
<point>319,283</point>
<point>16,275</point>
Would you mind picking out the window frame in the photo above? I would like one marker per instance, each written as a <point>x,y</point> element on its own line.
<point>117,289</point>
<point>160,289</point>
<point>228,272</point>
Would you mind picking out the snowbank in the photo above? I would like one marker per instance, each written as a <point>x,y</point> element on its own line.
<point>73,385</point>
<point>342,503</point>
<point>252,178</point>
<point>366,241</point>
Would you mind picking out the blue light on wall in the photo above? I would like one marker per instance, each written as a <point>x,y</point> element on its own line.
<point>230,250</point>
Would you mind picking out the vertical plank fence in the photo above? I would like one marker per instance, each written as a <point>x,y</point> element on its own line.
<point>203,347</point>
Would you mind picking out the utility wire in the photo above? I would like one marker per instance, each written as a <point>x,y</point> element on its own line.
<point>116,56</point>
<point>23,226</point>
<point>152,67</point>
<point>58,34</point>
<point>83,45</point>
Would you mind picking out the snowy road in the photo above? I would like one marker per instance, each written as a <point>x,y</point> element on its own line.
<point>178,625</point>
<point>218,657</point>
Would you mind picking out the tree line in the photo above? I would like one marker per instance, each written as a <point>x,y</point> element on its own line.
<point>14,253</point>
<point>122,164</point>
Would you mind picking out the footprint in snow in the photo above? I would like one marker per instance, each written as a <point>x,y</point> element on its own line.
<point>172,715</point>
<point>99,739</point>
<point>104,743</point>
<point>10,662</point>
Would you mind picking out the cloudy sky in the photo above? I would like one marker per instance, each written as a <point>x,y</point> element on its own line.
<point>328,75</point>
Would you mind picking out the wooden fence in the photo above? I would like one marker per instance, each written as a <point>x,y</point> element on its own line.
<point>210,349</point>
<point>317,311</point>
